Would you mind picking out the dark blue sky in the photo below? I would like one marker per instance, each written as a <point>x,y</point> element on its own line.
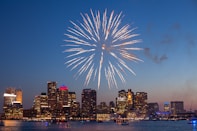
<point>32,32</point>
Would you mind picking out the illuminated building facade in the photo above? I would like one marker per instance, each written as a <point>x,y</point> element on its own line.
<point>88,104</point>
<point>36,106</point>
<point>102,108</point>
<point>153,108</point>
<point>9,97</point>
<point>43,100</point>
<point>125,101</point>
<point>74,105</point>
<point>62,99</point>
<point>44,107</point>
<point>103,112</point>
<point>41,106</point>
<point>141,102</point>
<point>19,96</point>
<point>121,102</point>
<point>166,107</point>
<point>177,107</point>
<point>58,103</point>
<point>52,96</point>
<point>71,98</point>
<point>75,110</point>
<point>130,99</point>
<point>13,108</point>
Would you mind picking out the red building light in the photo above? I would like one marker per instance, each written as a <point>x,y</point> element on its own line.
<point>63,88</point>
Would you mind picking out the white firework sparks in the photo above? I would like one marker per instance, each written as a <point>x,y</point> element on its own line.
<point>100,45</point>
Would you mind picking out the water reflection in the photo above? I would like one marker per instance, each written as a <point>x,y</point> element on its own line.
<point>12,123</point>
<point>15,125</point>
<point>194,127</point>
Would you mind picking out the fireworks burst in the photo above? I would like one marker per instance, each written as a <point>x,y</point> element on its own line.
<point>100,45</point>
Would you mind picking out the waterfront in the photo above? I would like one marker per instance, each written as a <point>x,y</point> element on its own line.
<point>14,125</point>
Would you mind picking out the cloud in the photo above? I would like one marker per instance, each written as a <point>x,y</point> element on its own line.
<point>155,58</point>
<point>176,26</point>
<point>160,59</point>
<point>167,39</point>
<point>191,40</point>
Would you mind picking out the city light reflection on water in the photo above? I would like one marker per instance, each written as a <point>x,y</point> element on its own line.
<point>194,126</point>
<point>12,125</point>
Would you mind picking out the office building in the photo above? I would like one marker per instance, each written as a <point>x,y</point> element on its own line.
<point>141,102</point>
<point>75,110</point>
<point>36,106</point>
<point>102,108</point>
<point>62,97</point>
<point>52,96</point>
<point>121,102</point>
<point>103,112</point>
<point>153,108</point>
<point>177,107</point>
<point>19,96</point>
<point>74,105</point>
<point>89,103</point>
<point>13,108</point>
<point>166,107</point>
<point>130,100</point>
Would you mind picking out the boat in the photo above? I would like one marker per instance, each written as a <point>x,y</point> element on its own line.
<point>124,123</point>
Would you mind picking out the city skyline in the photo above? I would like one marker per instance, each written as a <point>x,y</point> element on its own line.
<point>59,104</point>
<point>32,35</point>
<point>16,96</point>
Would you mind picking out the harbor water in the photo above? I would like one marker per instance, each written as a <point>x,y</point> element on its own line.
<point>16,125</point>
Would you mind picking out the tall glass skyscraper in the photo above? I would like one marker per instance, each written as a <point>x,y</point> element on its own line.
<point>121,102</point>
<point>52,95</point>
<point>89,104</point>
<point>63,96</point>
<point>141,102</point>
<point>130,100</point>
<point>19,96</point>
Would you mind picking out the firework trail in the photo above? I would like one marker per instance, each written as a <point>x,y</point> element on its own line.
<point>100,45</point>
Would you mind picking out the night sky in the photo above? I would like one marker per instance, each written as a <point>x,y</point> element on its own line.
<point>32,35</point>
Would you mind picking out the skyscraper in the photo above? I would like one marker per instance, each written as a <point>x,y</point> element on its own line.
<point>89,104</point>
<point>13,108</point>
<point>40,105</point>
<point>166,107</point>
<point>121,102</point>
<point>19,96</point>
<point>43,100</point>
<point>141,102</point>
<point>74,105</point>
<point>71,97</point>
<point>9,97</point>
<point>153,108</point>
<point>63,97</point>
<point>63,109</point>
<point>177,107</point>
<point>130,99</point>
<point>52,95</point>
<point>102,108</point>
<point>36,105</point>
